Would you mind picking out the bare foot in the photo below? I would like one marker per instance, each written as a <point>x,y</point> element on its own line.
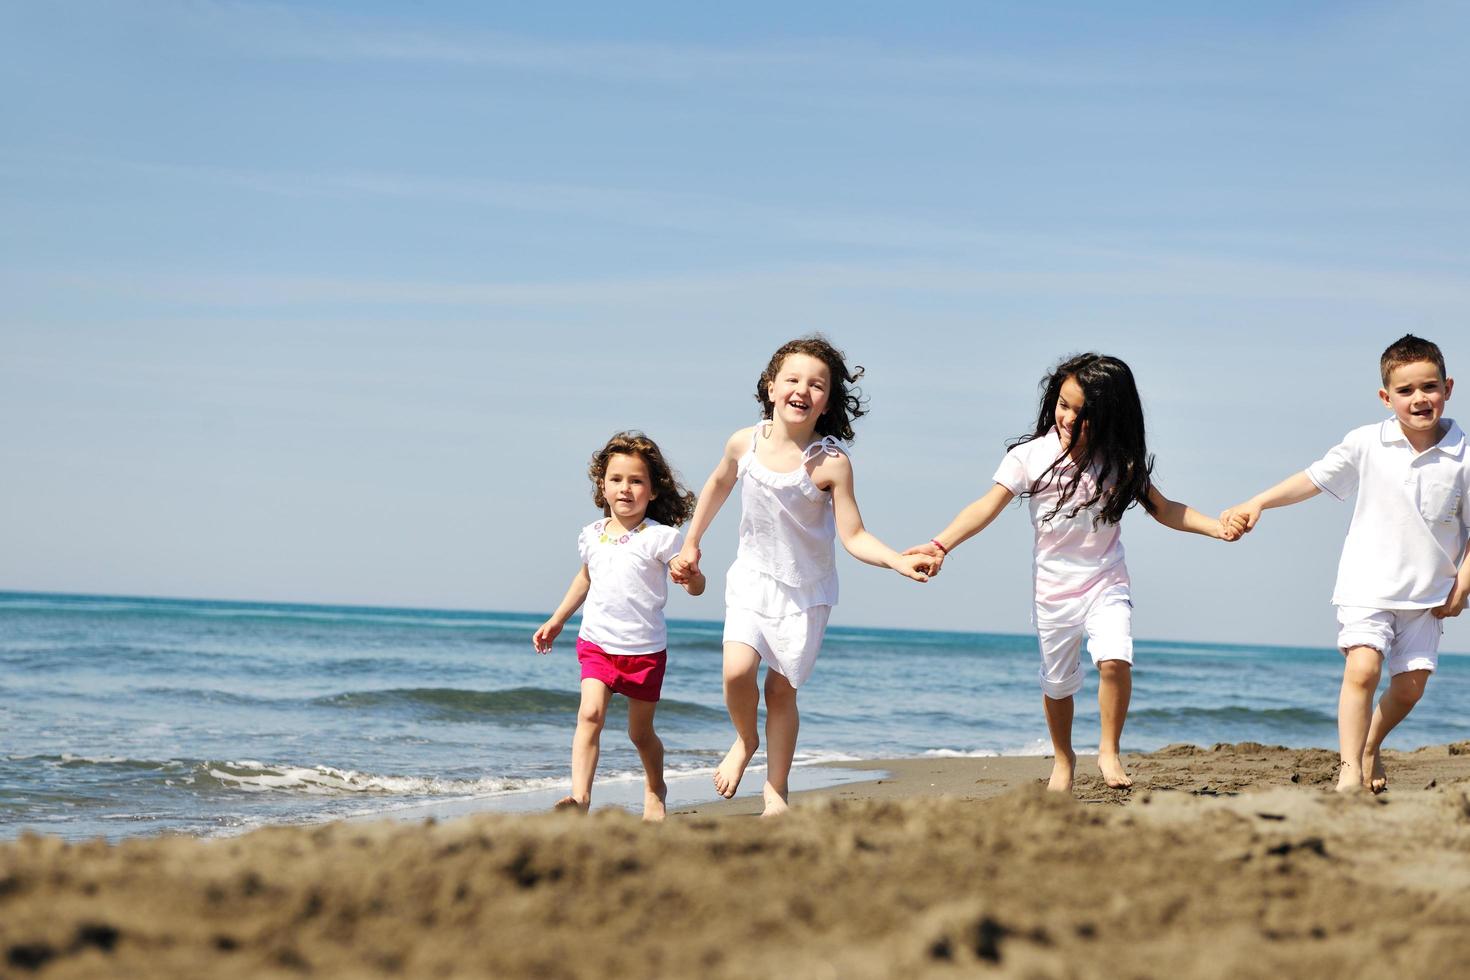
<point>1112,771</point>
<point>1373,763</point>
<point>572,803</point>
<point>1350,779</point>
<point>728,773</point>
<point>1061,773</point>
<point>653,803</point>
<point>775,802</point>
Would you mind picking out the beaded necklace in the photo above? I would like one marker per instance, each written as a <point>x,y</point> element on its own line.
<point>602,536</point>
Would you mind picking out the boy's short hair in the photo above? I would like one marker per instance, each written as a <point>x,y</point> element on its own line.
<point>1409,349</point>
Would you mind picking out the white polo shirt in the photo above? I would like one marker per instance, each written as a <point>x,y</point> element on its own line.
<point>624,612</point>
<point>1409,522</point>
<point>1073,558</point>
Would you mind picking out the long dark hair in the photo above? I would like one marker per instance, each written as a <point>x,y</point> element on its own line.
<point>671,505</point>
<point>1108,435</point>
<point>845,402</point>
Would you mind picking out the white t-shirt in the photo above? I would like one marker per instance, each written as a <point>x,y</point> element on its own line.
<point>1409,521</point>
<point>624,611</point>
<point>1072,558</point>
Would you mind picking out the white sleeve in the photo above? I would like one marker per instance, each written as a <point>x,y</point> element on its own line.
<point>584,544</point>
<point>1011,473</point>
<point>670,541</point>
<point>1337,472</point>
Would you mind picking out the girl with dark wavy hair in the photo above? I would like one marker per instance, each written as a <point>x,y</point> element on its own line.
<point>1083,465</point>
<point>796,498</point>
<point>623,581</point>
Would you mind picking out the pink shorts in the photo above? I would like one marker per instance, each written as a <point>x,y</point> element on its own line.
<point>637,676</point>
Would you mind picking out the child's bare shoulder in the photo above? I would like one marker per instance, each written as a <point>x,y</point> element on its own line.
<point>828,467</point>
<point>739,442</point>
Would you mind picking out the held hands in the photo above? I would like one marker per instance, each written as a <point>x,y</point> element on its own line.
<point>934,557</point>
<point>1241,519</point>
<point>917,567</point>
<point>685,565</point>
<point>543,637</point>
<point>1454,605</point>
<point>1231,526</point>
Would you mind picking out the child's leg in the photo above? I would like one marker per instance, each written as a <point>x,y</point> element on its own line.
<point>742,700</point>
<point>586,742</point>
<point>1061,677</point>
<point>783,721</point>
<point>1404,691</point>
<point>1110,643</point>
<point>651,750</point>
<point>1360,673</point>
<point>1059,726</point>
<point>1413,656</point>
<point>1114,690</point>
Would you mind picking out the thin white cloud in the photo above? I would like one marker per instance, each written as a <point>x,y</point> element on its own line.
<point>889,230</point>
<point>1141,275</point>
<point>279,32</point>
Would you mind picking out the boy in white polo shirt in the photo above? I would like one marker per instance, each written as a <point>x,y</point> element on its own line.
<point>1403,567</point>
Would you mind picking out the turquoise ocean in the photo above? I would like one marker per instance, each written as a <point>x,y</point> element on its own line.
<point>126,716</point>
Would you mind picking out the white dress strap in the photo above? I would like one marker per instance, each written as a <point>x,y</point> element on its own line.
<point>827,446</point>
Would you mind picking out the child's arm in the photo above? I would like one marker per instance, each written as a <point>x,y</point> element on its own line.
<point>966,524</point>
<point>836,472</point>
<point>1292,490</point>
<point>1455,604</point>
<point>570,603</point>
<point>716,489</point>
<point>693,579</point>
<point>1182,517</point>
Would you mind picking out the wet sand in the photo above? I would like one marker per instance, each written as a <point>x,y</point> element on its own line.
<point>1225,862</point>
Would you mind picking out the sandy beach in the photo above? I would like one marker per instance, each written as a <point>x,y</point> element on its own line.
<point>1229,861</point>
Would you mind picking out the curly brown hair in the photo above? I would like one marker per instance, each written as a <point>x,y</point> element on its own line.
<point>845,404</point>
<point>672,502</point>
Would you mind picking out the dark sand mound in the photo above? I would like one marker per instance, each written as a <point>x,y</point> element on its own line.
<point>1284,881</point>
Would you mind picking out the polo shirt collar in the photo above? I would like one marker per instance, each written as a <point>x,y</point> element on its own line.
<point>1452,444</point>
<point>1390,432</point>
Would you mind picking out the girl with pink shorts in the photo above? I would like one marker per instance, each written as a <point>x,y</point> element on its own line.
<point>623,583</point>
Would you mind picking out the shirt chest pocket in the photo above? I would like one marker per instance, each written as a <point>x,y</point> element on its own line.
<point>1440,503</point>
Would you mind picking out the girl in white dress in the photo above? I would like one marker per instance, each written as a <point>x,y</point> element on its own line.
<point>797,496</point>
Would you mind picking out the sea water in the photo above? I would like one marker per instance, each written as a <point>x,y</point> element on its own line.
<point>125,716</point>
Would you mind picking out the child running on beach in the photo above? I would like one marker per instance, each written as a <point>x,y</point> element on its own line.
<point>1081,468</point>
<point>1397,579</point>
<point>623,640</point>
<point>797,495</point>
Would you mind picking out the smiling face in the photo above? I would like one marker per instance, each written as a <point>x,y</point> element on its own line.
<point>1416,394</point>
<point>1070,400</point>
<point>800,390</point>
<point>627,489</point>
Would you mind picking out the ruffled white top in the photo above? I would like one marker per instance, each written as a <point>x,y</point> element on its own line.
<point>786,559</point>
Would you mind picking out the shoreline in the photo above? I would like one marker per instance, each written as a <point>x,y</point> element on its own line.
<point>1236,860</point>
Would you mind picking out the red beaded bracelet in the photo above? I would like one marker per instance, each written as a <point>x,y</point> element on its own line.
<point>942,549</point>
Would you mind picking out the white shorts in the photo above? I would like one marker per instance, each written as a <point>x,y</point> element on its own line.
<point>788,644</point>
<point>1407,638</point>
<point>1108,627</point>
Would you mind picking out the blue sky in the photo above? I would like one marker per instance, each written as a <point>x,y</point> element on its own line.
<point>331,302</point>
